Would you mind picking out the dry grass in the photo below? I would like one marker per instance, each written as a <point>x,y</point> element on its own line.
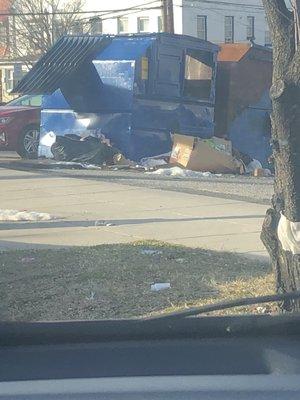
<point>251,287</point>
<point>113,281</point>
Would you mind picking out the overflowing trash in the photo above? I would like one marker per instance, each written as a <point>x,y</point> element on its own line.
<point>190,157</point>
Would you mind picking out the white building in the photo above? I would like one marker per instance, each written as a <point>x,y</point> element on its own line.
<point>218,21</point>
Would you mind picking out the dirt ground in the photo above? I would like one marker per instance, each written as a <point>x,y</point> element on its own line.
<point>114,281</point>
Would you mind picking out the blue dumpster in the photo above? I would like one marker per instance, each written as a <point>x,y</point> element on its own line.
<point>134,89</point>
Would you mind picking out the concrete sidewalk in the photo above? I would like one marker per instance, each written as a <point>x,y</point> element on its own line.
<point>137,214</point>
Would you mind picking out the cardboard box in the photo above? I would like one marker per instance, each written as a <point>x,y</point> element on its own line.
<point>214,155</point>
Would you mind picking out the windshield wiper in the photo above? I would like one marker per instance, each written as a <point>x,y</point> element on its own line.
<point>223,305</point>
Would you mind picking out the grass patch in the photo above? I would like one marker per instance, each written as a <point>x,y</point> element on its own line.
<point>113,281</point>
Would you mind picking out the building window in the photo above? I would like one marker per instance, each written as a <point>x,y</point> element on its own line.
<point>159,24</point>
<point>268,39</point>
<point>122,25</point>
<point>198,74</point>
<point>96,25</point>
<point>9,79</point>
<point>229,29</point>
<point>4,33</point>
<point>202,27</point>
<point>250,28</point>
<point>143,24</point>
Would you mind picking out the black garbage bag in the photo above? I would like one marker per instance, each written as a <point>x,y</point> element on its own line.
<point>88,150</point>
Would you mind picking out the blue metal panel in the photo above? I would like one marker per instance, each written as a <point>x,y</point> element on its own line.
<point>126,48</point>
<point>250,132</point>
<point>188,119</point>
<point>63,59</point>
<point>55,101</point>
<point>117,90</point>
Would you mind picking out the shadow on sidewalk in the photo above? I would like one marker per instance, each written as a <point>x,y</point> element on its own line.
<point>102,223</point>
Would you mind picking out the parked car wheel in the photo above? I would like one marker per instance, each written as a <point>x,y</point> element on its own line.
<point>29,142</point>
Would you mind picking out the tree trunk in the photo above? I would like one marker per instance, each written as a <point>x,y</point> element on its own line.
<point>285,95</point>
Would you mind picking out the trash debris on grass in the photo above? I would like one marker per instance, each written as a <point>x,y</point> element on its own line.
<point>27,259</point>
<point>180,260</point>
<point>91,296</point>
<point>181,173</point>
<point>157,287</point>
<point>149,252</point>
<point>15,215</point>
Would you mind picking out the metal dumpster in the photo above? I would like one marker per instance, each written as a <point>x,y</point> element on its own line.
<point>134,89</point>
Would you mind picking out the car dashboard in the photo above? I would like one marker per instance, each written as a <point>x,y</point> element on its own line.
<point>187,359</point>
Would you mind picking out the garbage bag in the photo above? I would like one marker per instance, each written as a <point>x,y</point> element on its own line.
<point>88,150</point>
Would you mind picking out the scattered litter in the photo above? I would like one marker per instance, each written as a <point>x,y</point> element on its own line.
<point>181,173</point>
<point>27,259</point>
<point>152,162</point>
<point>252,166</point>
<point>261,172</point>
<point>91,297</point>
<point>99,223</point>
<point>149,252</point>
<point>180,260</point>
<point>15,215</point>
<point>262,310</point>
<point>196,154</point>
<point>155,161</point>
<point>75,165</point>
<point>119,159</point>
<point>48,139</point>
<point>156,287</point>
<point>104,223</point>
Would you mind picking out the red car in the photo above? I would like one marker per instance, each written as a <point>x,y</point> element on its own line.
<point>20,125</point>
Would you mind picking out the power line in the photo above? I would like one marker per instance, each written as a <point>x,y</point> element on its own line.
<point>227,3</point>
<point>55,13</point>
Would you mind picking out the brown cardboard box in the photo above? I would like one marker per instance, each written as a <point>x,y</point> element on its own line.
<point>197,154</point>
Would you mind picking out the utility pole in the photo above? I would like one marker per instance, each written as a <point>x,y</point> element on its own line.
<point>168,16</point>
<point>296,11</point>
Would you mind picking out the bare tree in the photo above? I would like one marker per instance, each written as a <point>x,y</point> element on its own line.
<point>281,228</point>
<point>37,24</point>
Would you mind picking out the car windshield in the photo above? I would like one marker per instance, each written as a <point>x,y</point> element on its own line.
<point>32,101</point>
<point>156,167</point>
